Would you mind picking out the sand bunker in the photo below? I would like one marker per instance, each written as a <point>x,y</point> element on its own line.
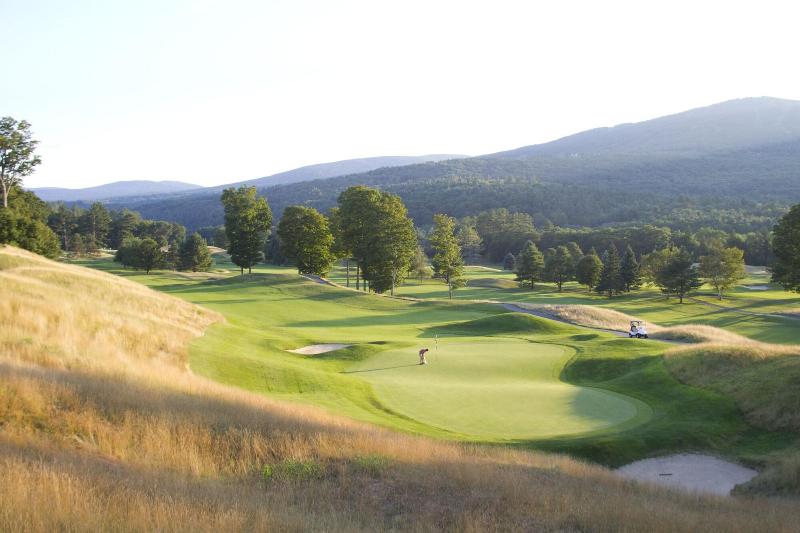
<point>756,287</point>
<point>694,472</point>
<point>315,349</point>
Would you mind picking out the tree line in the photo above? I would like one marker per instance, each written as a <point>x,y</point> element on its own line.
<point>372,230</point>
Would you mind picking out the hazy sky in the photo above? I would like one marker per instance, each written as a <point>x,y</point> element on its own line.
<point>214,92</point>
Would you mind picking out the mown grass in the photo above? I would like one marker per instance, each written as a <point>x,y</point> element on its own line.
<point>117,439</point>
<point>647,304</point>
<point>274,309</point>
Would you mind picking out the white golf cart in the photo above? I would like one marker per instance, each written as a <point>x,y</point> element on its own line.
<point>637,330</point>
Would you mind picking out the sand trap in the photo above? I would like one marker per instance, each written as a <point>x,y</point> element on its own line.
<point>315,349</point>
<point>756,287</point>
<point>694,472</point>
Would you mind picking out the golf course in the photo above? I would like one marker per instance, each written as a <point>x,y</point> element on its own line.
<point>493,376</point>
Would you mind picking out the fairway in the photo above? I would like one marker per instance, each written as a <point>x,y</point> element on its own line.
<point>495,389</point>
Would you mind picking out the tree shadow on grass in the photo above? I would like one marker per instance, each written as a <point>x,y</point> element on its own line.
<point>378,369</point>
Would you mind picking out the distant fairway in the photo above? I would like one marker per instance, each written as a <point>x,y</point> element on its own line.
<point>495,389</point>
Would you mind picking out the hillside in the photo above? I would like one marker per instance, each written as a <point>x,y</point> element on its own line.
<point>737,161</point>
<point>723,127</point>
<point>102,428</point>
<point>339,168</point>
<point>118,189</point>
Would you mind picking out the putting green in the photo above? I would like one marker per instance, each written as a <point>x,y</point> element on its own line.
<point>495,389</point>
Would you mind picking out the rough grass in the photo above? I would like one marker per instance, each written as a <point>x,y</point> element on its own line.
<point>764,379</point>
<point>494,283</point>
<point>585,315</point>
<point>599,317</point>
<point>102,431</point>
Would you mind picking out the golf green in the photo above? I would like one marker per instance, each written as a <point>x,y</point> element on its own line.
<point>497,389</point>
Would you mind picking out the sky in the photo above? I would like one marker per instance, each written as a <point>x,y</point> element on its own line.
<point>217,92</point>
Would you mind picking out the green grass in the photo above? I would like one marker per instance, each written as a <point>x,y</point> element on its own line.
<point>648,304</point>
<point>497,376</point>
<point>493,389</point>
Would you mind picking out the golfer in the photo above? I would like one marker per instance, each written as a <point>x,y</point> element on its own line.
<point>422,359</point>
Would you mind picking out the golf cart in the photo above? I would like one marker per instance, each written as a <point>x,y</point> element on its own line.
<point>637,330</point>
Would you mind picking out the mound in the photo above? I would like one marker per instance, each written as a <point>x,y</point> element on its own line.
<point>585,315</point>
<point>504,323</point>
<point>494,283</point>
<point>763,381</point>
<point>762,378</point>
<point>62,315</point>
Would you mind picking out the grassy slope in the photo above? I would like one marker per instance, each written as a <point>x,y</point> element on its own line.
<point>119,440</point>
<point>274,309</point>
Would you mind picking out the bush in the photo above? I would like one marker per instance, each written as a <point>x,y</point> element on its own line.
<point>293,470</point>
<point>374,465</point>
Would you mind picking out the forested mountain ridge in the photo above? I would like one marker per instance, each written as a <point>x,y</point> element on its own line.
<point>117,189</point>
<point>738,166</point>
<point>339,168</point>
<point>722,127</point>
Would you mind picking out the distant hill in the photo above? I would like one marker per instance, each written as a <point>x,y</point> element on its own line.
<point>339,168</point>
<point>723,127</point>
<point>734,165</point>
<point>118,189</point>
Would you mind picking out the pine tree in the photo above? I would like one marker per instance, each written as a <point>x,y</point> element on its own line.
<point>589,269</point>
<point>194,254</point>
<point>679,276</point>
<point>448,265</point>
<point>530,264</point>
<point>631,278</point>
<point>611,281</point>
<point>558,266</point>
<point>786,246</point>
<point>509,262</point>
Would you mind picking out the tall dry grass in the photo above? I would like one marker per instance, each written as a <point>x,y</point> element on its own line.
<point>103,428</point>
<point>599,317</point>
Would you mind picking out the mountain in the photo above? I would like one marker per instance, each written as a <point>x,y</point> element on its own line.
<point>338,168</point>
<point>118,189</point>
<point>723,127</point>
<point>734,165</point>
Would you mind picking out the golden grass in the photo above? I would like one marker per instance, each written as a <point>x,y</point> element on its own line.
<point>586,315</point>
<point>599,317</point>
<point>103,428</point>
<point>762,378</point>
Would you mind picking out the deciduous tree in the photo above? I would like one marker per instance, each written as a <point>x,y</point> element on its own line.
<point>679,276</point>
<point>247,221</point>
<point>448,265</point>
<point>722,268</point>
<point>17,154</point>
<point>306,240</point>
